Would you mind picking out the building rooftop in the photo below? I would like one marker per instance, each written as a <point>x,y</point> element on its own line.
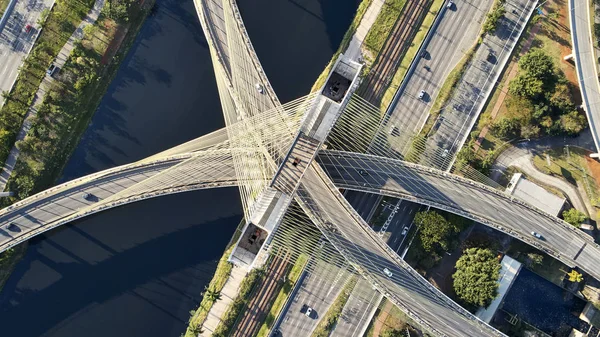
<point>510,269</point>
<point>535,195</point>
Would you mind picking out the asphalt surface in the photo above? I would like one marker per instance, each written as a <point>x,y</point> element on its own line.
<point>110,188</point>
<point>15,42</point>
<point>239,62</point>
<point>466,103</point>
<point>585,63</point>
<point>370,256</point>
<point>455,34</point>
<point>466,198</point>
<point>402,219</point>
<point>363,203</point>
<point>319,288</point>
<point>358,311</point>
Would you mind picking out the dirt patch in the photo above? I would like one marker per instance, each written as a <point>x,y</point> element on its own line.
<point>594,166</point>
<point>114,44</point>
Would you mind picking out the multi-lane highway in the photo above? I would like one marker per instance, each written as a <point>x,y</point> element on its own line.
<point>454,35</point>
<point>585,62</point>
<point>317,290</point>
<point>465,198</point>
<point>358,311</point>
<point>462,110</point>
<point>16,41</point>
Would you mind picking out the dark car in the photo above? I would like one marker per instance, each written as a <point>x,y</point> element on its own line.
<point>363,173</point>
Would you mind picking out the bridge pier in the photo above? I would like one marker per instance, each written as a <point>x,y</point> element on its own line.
<point>569,58</point>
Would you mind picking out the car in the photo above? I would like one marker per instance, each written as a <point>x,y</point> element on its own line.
<point>537,235</point>
<point>405,230</point>
<point>28,28</point>
<point>445,153</point>
<point>13,227</point>
<point>363,173</point>
<point>308,312</point>
<point>86,196</point>
<point>421,94</point>
<point>52,70</point>
<point>449,4</point>
<point>393,130</point>
<point>260,88</point>
<point>387,272</point>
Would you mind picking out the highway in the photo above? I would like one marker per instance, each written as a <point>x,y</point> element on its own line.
<point>358,311</point>
<point>585,62</point>
<point>15,42</point>
<point>369,255</point>
<point>363,203</point>
<point>110,188</point>
<point>466,198</point>
<point>466,103</point>
<point>455,34</point>
<point>319,288</point>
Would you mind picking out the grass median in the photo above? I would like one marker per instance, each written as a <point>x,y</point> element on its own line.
<point>383,25</point>
<point>280,300</point>
<point>410,54</point>
<point>332,315</point>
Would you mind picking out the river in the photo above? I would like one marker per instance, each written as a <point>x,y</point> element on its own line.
<point>139,269</point>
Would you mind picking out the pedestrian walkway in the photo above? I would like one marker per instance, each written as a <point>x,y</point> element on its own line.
<point>353,51</point>
<point>60,61</point>
<point>228,294</point>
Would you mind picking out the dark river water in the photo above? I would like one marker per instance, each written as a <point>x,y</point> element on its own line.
<point>138,270</point>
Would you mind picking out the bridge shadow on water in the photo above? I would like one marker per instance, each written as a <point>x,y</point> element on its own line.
<point>85,280</point>
<point>295,39</point>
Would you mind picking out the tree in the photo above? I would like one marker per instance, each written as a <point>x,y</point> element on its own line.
<point>574,276</point>
<point>394,333</point>
<point>434,230</point>
<point>491,22</point>
<point>535,259</point>
<point>561,98</point>
<point>538,64</point>
<point>573,122</point>
<point>526,85</point>
<point>530,131</point>
<point>505,128</point>
<point>476,276</point>
<point>574,217</point>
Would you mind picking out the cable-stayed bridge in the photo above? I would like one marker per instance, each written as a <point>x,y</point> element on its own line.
<point>287,163</point>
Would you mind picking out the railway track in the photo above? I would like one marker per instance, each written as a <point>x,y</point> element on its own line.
<point>256,310</point>
<point>395,47</point>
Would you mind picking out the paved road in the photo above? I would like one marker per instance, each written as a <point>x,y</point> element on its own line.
<point>369,255</point>
<point>15,42</point>
<point>110,188</point>
<point>319,288</point>
<point>458,117</point>
<point>358,311</point>
<point>455,34</point>
<point>585,63</point>
<point>466,198</point>
<point>363,203</point>
<point>403,219</point>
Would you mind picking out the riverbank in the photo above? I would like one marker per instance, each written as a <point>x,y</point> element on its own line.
<point>66,113</point>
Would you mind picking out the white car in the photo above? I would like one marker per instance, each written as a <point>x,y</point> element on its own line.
<point>449,4</point>
<point>85,196</point>
<point>405,230</point>
<point>308,311</point>
<point>537,235</point>
<point>387,272</point>
<point>421,94</point>
<point>445,153</point>
<point>260,89</point>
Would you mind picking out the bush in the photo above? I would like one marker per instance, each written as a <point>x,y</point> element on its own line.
<point>505,128</point>
<point>491,22</point>
<point>573,122</point>
<point>574,217</point>
<point>476,276</point>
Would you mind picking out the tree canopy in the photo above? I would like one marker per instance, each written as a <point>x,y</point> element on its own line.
<point>574,217</point>
<point>435,231</point>
<point>476,276</point>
